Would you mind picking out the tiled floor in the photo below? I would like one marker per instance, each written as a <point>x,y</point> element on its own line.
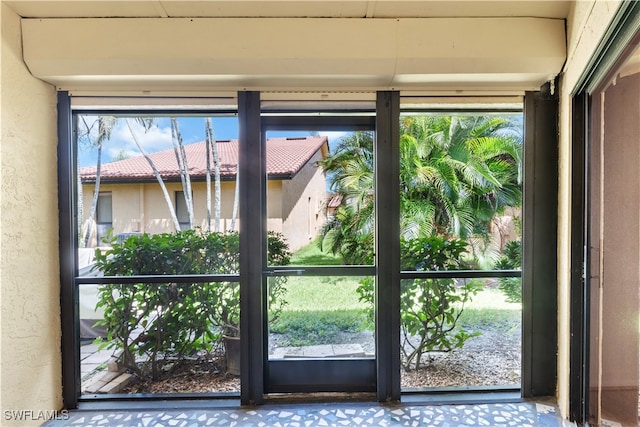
<point>335,414</point>
<point>304,414</point>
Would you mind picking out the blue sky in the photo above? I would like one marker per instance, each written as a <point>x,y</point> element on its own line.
<point>159,137</point>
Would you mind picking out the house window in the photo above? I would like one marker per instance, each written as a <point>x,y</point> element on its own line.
<point>182,213</point>
<point>104,216</point>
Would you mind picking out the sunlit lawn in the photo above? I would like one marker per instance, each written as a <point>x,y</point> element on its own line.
<point>313,255</point>
<point>489,309</point>
<point>319,307</point>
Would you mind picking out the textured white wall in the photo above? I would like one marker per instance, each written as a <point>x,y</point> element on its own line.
<point>30,362</point>
<point>586,24</point>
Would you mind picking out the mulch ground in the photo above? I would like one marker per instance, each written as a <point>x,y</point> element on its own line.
<point>491,359</point>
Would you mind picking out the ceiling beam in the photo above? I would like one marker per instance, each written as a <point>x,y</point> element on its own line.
<point>293,53</point>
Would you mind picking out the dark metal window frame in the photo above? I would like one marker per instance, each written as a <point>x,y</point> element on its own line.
<point>340,375</point>
<point>612,51</point>
<point>253,312</point>
<point>540,237</point>
<point>69,272</point>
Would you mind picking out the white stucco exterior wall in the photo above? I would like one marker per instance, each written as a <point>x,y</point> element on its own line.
<point>302,199</point>
<point>586,25</point>
<point>30,361</point>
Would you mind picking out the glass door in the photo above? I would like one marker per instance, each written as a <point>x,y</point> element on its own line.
<point>614,227</point>
<point>318,177</point>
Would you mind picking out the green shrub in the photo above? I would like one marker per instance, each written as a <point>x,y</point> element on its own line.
<point>429,308</point>
<point>157,320</point>
<point>511,260</point>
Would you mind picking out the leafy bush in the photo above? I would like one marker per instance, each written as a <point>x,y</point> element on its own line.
<point>511,260</point>
<point>158,320</point>
<point>429,308</point>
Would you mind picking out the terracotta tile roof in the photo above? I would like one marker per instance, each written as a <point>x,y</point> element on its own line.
<point>285,158</point>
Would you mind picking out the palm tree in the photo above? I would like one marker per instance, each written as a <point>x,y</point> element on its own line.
<point>468,168</point>
<point>350,174</point>
<point>456,173</point>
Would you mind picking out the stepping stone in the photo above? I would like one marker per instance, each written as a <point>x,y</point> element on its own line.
<point>99,381</point>
<point>319,351</point>
<point>117,384</point>
<point>348,350</point>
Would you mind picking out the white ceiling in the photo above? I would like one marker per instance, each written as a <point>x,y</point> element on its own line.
<point>289,8</point>
<point>423,45</point>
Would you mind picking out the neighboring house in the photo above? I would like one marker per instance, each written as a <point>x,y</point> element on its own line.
<point>131,200</point>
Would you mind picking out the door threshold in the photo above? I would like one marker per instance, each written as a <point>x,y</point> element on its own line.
<point>318,397</point>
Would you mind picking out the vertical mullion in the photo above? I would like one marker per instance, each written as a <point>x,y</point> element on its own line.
<point>579,282</point>
<point>540,237</point>
<point>67,188</point>
<point>387,237</point>
<point>251,176</point>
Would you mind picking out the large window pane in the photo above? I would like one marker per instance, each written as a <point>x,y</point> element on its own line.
<point>614,390</point>
<point>320,317</point>
<point>159,337</point>
<point>460,209</point>
<point>144,177</point>
<point>157,195</point>
<point>461,181</point>
<point>459,333</point>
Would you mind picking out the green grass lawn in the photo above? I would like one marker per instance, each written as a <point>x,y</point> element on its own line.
<point>322,293</point>
<point>312,255</point>
<point>490,309</point>
<point>320,307</point>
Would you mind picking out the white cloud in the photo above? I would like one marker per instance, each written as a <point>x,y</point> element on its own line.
<point>155,139</point>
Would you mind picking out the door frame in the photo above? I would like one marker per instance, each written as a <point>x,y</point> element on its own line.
<point>260,375</point>
<point>608,55</point>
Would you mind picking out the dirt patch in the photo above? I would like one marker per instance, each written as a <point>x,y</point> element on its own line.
<point>192,376</point>
<point>492,359</point>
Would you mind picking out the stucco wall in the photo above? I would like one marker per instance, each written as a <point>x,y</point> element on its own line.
<point>586,24</point>
<point>142,207</point>
<point>30,362</point>
<point>302,198</point>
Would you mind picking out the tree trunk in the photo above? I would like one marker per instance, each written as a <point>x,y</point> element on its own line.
<point>236,199</point>
<point>209,132</point>
<point>167,198</point>
<point>216,172</point>
<point>96,193</point>
<point>80,204</point>
<point>183,167</point>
